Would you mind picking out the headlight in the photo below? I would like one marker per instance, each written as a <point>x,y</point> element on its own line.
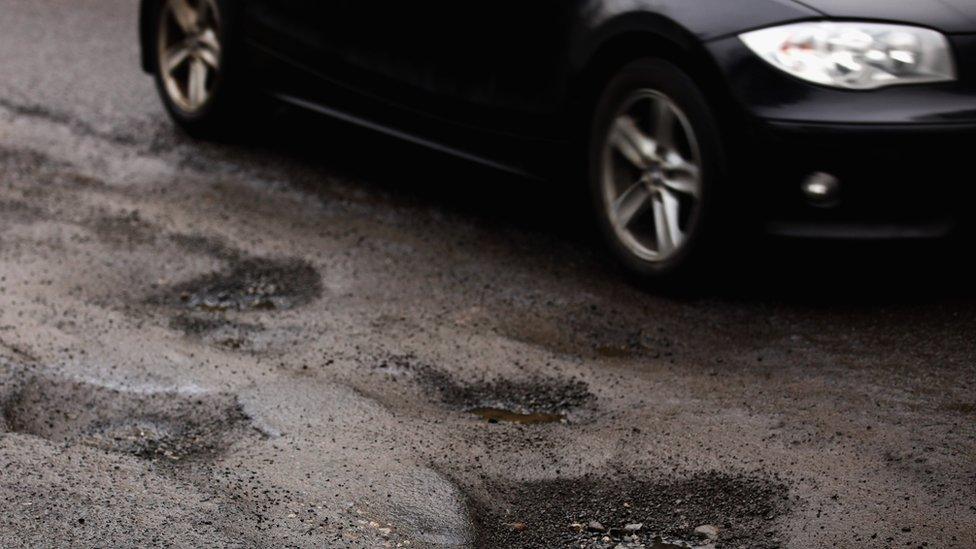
<point>858,56</point>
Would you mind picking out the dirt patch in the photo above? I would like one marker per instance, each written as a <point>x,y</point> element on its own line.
<point>729,510</point>
<point>533,397</point>
<point>167,427</point>
<point>14,162</point>
<point>247,284</point>
<point>18,211</point>
<point>55,116</point>
<point>965,408</point>
<point>590,331</point>
<point>643,342</point>
<point>207,245</point>
<point>216,330</point>
<point>127,229</point>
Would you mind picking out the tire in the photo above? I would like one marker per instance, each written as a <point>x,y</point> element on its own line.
<point>654,185</point>
<point>183,47</point>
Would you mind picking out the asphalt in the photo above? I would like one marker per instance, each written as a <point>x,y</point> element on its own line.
<point>318,337</point>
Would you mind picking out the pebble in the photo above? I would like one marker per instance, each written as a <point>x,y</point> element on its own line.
<point>707,531</point>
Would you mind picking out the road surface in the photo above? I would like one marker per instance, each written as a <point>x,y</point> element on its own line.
<point>321,338</point>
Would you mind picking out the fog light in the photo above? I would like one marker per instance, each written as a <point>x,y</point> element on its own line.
<point>821,189</point>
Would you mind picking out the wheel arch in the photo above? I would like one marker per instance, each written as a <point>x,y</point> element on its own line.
<point>147,9</point>
<point>594,61</point>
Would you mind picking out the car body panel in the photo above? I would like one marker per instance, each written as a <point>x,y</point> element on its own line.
<point>950,16</point>
<point>457,60</point>
<point>505,65</point>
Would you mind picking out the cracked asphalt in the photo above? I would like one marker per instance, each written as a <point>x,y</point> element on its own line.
<point>321,338</point>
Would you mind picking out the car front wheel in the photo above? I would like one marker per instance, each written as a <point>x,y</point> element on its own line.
<point>194,65</point>
<point>655,155</point>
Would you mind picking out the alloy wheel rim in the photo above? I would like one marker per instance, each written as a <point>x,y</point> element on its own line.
<point>190,52</point>
<point>651,176</point>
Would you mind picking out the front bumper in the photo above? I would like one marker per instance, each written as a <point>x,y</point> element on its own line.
<point>902,155</point>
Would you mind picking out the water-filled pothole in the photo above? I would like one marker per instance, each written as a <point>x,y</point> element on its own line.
<point>167,427</point>
<point>592,512</point>
<point>533,400</point>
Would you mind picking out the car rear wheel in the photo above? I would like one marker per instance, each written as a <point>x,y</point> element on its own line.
<point>194,65</point>
<point>655,153</point>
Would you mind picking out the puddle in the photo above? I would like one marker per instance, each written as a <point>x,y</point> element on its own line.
<point>248,284</point>
<point>535,400</point>
<point>624,511</point>
<point>496,415</point>
<point>167,427</point>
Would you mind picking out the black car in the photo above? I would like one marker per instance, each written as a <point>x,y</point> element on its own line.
<point>692,121</point>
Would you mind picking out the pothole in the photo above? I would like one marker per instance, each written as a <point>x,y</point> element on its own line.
<point>167,427</point>
<point>700,509</point>
<point>247,284</point>
<point>530,401</point>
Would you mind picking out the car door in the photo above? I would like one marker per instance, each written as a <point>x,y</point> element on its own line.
<point>491,65</point>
